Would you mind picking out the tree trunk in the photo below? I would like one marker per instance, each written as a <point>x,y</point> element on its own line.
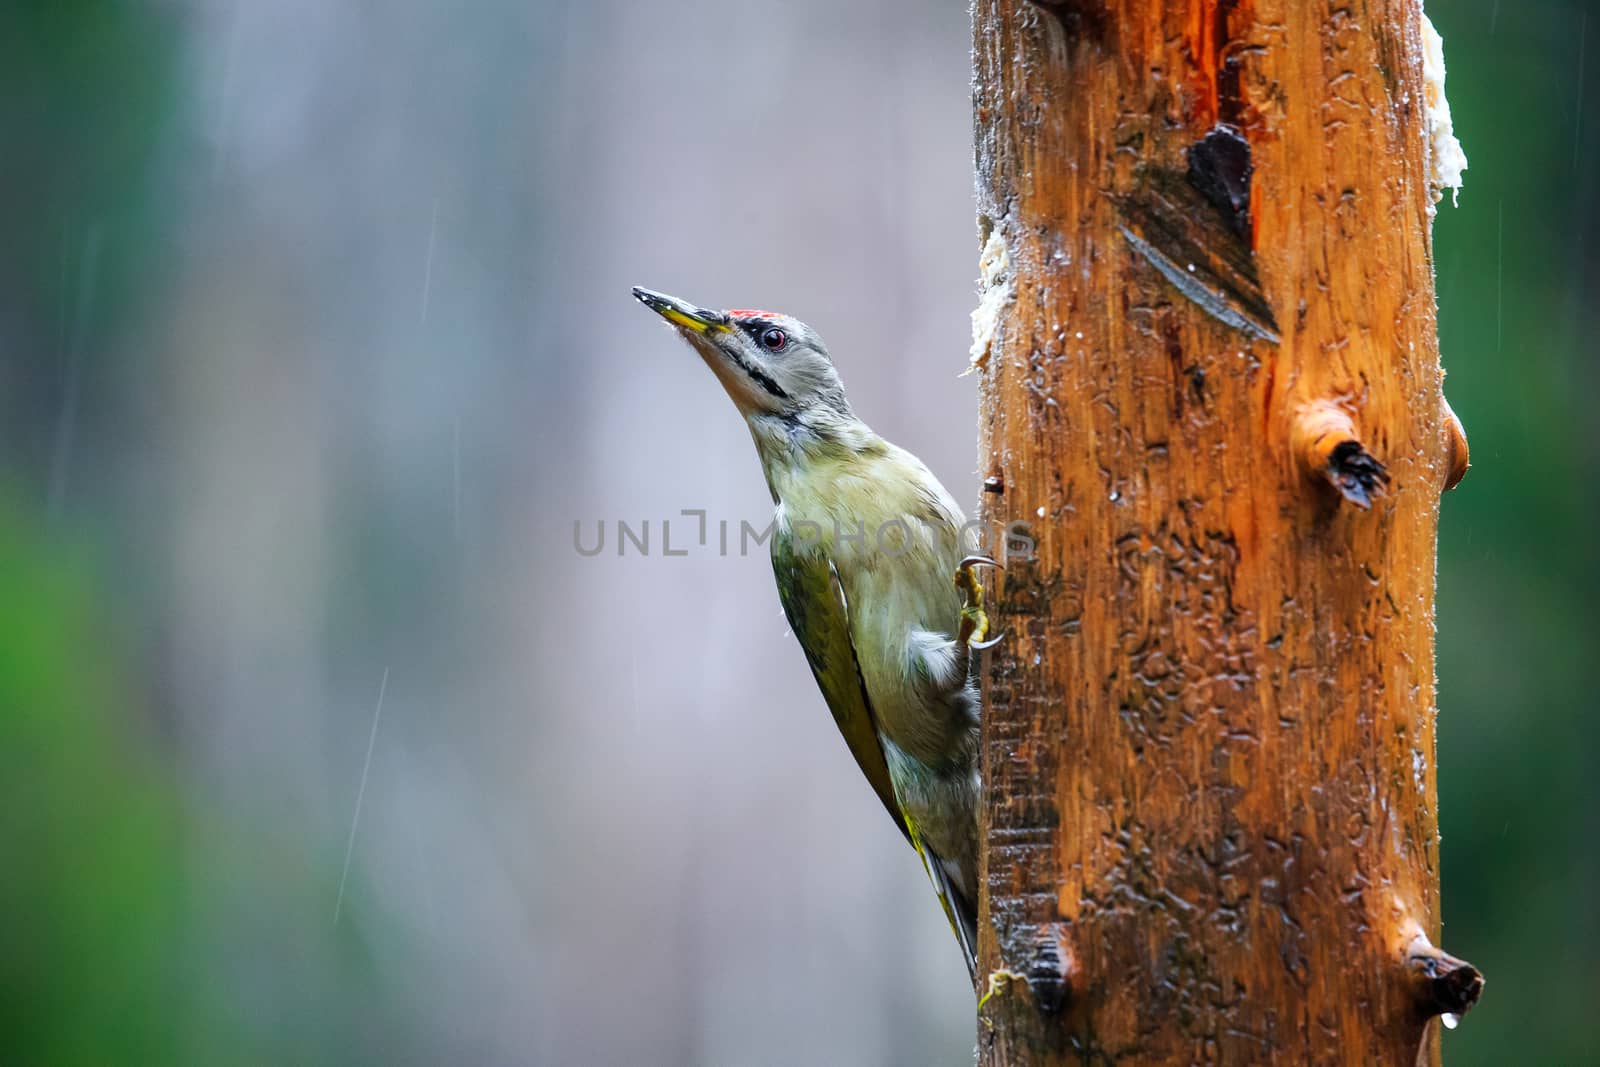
<point>1211,390</point>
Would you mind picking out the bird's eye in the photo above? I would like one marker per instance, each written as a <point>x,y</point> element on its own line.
<point>773,339</point>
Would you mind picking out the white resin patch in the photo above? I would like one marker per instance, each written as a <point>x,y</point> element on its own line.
<point>995,292</point>
<point>1446,160</point>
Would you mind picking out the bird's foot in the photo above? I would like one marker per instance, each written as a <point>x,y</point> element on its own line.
<point>998,982</point>
<point>973,631</point>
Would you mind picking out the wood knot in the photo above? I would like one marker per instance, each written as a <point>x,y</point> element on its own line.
<point>1456,453</point>
<point>1050,969</point>
<point>1441,984</point>
<point>1219,167</point>
<point>1328,448</point>
<point>1084,19</point>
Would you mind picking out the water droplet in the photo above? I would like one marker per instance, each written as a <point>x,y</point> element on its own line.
<point>1450,1020</point>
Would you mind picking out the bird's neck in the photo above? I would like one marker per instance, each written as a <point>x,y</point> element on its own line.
<point>792,446</point>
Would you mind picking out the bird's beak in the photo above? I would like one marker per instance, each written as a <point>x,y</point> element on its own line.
<point>679,312</point>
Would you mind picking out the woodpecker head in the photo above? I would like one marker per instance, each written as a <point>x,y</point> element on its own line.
<point>770,364</point>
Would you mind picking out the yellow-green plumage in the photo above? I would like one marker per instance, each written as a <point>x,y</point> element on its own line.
<point>813,601</point>
<point>865,546</point>
<point>878,623</point>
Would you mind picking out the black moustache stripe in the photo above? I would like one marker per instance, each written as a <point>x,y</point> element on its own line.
<point>761,379</point>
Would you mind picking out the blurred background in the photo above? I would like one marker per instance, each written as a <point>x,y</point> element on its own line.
<point>320,743</point>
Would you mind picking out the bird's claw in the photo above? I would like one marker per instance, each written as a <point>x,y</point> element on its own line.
<point>974,628</point>
<point>990,643</point>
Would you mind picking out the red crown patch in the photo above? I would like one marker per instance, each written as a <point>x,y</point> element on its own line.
<point>751,313</point>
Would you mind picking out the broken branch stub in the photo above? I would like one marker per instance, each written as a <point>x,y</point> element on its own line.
<point>1441,984</point>
<point>1456,453</point>
<point>1050,970</point>
<point>1329,449</point>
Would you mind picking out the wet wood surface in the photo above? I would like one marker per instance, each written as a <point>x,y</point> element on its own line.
<point>1212,394</point>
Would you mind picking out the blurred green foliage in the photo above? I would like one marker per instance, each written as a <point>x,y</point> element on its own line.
<point>92,902</point>
<point>1519,744</point>
<point>92,898</point>
<point>91,93</point>
<point>111,948</point>
<point>88,101</point>
<point>110,937</point>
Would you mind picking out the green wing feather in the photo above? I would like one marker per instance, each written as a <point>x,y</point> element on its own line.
<point>814,602</point>
<point>819,614</point>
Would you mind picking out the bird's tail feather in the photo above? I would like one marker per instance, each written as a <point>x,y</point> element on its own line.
<point>962,913</point>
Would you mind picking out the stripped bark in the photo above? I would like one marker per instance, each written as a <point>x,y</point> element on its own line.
<point>1211,388</point>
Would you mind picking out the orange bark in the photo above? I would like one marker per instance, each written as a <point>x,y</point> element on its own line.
<point>1209,830</point>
